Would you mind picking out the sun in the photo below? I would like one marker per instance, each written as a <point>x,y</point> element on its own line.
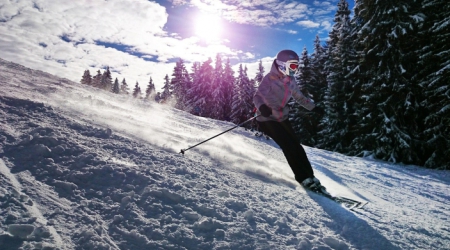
<point>208,27</point>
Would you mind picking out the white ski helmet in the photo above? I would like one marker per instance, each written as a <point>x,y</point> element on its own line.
<point>287,62</point>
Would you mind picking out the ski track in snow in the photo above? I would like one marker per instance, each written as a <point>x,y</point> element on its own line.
<point>84,169</point>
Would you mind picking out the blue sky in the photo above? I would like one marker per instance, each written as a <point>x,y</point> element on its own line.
<point>139,39</point>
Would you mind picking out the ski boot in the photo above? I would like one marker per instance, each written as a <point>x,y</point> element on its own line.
<point>313,184</point>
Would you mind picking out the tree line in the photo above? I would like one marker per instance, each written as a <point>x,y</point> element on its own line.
<point>382,78</point>
<point>104,81</point>
<point>209,90</point>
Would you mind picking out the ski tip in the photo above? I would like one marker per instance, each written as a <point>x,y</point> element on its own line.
<point>363,204</point>
<point>358,205</point>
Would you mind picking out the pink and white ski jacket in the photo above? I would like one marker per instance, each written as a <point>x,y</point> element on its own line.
<point>275,91</point>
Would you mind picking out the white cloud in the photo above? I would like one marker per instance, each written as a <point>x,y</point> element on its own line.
<point>262,12</point>
<point>64,37</point>
<point>293,32</point>
<point>326,25</point>
<point>308,24</point>
<point>178,2</point>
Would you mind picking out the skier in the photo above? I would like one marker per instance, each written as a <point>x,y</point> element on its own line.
<point>271,99</point>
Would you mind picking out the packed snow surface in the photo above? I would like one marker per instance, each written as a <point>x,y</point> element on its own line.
<point>84,169</point>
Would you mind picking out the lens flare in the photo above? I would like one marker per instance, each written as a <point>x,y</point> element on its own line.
<point>208,27</point>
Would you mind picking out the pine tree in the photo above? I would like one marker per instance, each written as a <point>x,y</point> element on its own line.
<point>318,86</point>
<point>201,92</point>
<point>260,73</point>
<point>180,83</point>
<point>258,79</point>
<point>359,77</point>
<point>244,90</point>
<point>158,97</point>
<point>227,89</point>
<point>106,80</point>
<point>433,76</point>
<point>306,74</point>
<point>250,90</point>
<point>116,87</point>
<point>194,108</point>
<point>86,79</point>
<point>337,134</point>
<point>167,90</point>
<point>317,63</point>
<point>150,92</point>
<point>124,87</point>
<point>390,110</point>
<point>137,93</point>
<point>217,88</point>
<point>97,79</point>
<point>303,121</point>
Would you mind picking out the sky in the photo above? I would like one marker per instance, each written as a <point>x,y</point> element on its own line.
<point>82,168</point>
<point>139,39</point>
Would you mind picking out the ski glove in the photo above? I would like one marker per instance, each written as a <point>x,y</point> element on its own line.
<point>265,110</point>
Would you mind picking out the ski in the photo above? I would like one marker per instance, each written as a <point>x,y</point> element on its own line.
<point>350,204</point>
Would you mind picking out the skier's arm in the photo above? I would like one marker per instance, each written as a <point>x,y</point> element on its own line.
<point>300,98</point>
<point>262,91</point>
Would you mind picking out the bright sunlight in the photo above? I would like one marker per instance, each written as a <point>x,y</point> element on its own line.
<point>208,27</point>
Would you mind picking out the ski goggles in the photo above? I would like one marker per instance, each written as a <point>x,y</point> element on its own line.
<point>289,68</point>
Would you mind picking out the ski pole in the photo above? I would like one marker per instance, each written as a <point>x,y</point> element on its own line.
<point>184,150</point>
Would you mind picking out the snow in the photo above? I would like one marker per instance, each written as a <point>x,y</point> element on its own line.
<point>402,70</point>
<point>85,169</point>
<point>418,18</point>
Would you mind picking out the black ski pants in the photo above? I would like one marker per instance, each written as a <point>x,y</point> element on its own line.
<point>283,134</point>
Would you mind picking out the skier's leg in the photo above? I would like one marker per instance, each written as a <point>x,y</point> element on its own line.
<point>296,151</point>
<point>283,134</point>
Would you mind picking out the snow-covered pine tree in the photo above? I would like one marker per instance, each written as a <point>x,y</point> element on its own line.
<point>358,78</point>
<point>201,92</point>
<point>86,78</point>
<point>158,97</point>
<point>228,82</point>
<point>106,80</point>
<point>218,93</point>
<point>187,85</point>
<point>318,85</point>
<point>259,73</point>
<point>116,87</point>
<point>137,93</point>
<point>167,90</point>
<point>388,123</point>
<point>303,121</point>
<point>317,64</point>
<point>434,79</point>
<point>250,89</point>
<point>242,105</point>
<point>124,89</point>
<point>150,91</point>
<point>97,79</point>
<point>176,84</point>
<point>337,126</point>
<point>192,96</point>
<point>180,84</point>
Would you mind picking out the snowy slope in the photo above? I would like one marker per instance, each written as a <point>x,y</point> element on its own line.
<point>83,169</point>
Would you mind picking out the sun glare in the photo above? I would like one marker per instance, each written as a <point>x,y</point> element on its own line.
<point>208,27</point>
